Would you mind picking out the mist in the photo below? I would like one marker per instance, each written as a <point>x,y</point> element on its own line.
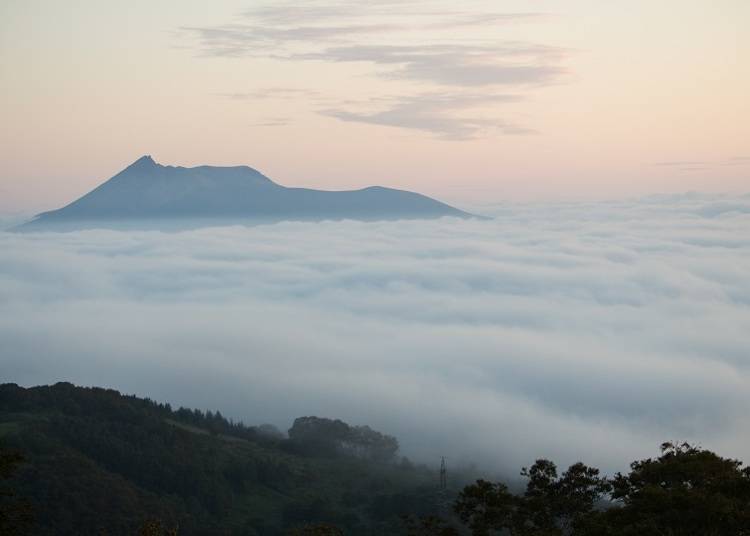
<point>590,331</point>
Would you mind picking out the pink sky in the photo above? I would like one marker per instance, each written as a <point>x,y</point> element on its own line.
<point>470,102</point>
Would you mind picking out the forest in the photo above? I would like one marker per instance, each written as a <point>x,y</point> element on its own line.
<point>77,460</point>
<point>98,462</point>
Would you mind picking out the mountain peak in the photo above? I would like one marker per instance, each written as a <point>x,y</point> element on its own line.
<point>144,161</point>
<point>150,194</point>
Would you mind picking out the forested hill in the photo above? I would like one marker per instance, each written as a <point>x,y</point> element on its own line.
<point>98,462</point>
<point>91,461</point>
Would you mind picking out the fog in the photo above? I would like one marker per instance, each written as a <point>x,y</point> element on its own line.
<point>573,331</point>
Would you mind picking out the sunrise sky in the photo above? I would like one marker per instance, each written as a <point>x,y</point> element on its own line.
<point>468,101</point>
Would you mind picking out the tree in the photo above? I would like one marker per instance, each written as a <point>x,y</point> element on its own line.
<point>328,437</point>
<point>15,514</point>
<point>364,442</point>
<point>321,529</point>
<point>686,491</point>
<point>486,507</point>
<point>318,436</point>
<point>550,506</point>
<point>562,505</point>
<point>428,526</point>
<point>154,527</point>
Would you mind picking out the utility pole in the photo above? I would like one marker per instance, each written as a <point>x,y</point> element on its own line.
<point>443,474</point>
<point>442,502</point>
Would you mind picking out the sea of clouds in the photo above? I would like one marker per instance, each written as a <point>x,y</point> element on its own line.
<point>573,331</point>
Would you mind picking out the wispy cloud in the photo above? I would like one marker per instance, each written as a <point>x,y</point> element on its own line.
<point>424,13</point>
<point>455,64</point>
<point>429,47</point>
<point>444,115</point>
<point>677,163</point>
<point>237,40</point>
<point>703,165</point>
<point>283,13</point>
<point>273,122</point>
<point>459,20</point>
<point>273,93</point>
<point>738,161</point>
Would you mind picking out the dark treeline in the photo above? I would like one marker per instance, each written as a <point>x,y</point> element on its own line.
<point>687,491</point>
<point>96,461</point>
<point>92,461</point>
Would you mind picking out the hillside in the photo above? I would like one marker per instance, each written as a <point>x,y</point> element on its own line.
<point>149,195</point>
<point>98,462</point>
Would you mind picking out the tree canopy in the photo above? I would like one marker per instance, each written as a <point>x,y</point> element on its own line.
<point>334,437</point>
<point>551,505</point>
<point>687,491</point>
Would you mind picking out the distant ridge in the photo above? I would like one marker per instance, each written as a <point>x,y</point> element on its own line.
<point>149,195</point>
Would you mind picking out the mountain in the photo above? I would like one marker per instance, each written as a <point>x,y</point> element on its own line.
<point>148,194</point>
<point>98,462</point>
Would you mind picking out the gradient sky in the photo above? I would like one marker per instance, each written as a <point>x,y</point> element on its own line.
<point>468,101</point>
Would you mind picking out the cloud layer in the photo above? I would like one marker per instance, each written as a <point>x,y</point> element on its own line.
<point>567,330</point>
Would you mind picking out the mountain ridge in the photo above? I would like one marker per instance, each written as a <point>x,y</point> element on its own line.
<point>150,194</point>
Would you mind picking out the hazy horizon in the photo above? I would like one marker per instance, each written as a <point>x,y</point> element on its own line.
<point>482,207</point>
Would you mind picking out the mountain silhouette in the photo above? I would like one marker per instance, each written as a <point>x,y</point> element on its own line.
<point>149,195</point>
